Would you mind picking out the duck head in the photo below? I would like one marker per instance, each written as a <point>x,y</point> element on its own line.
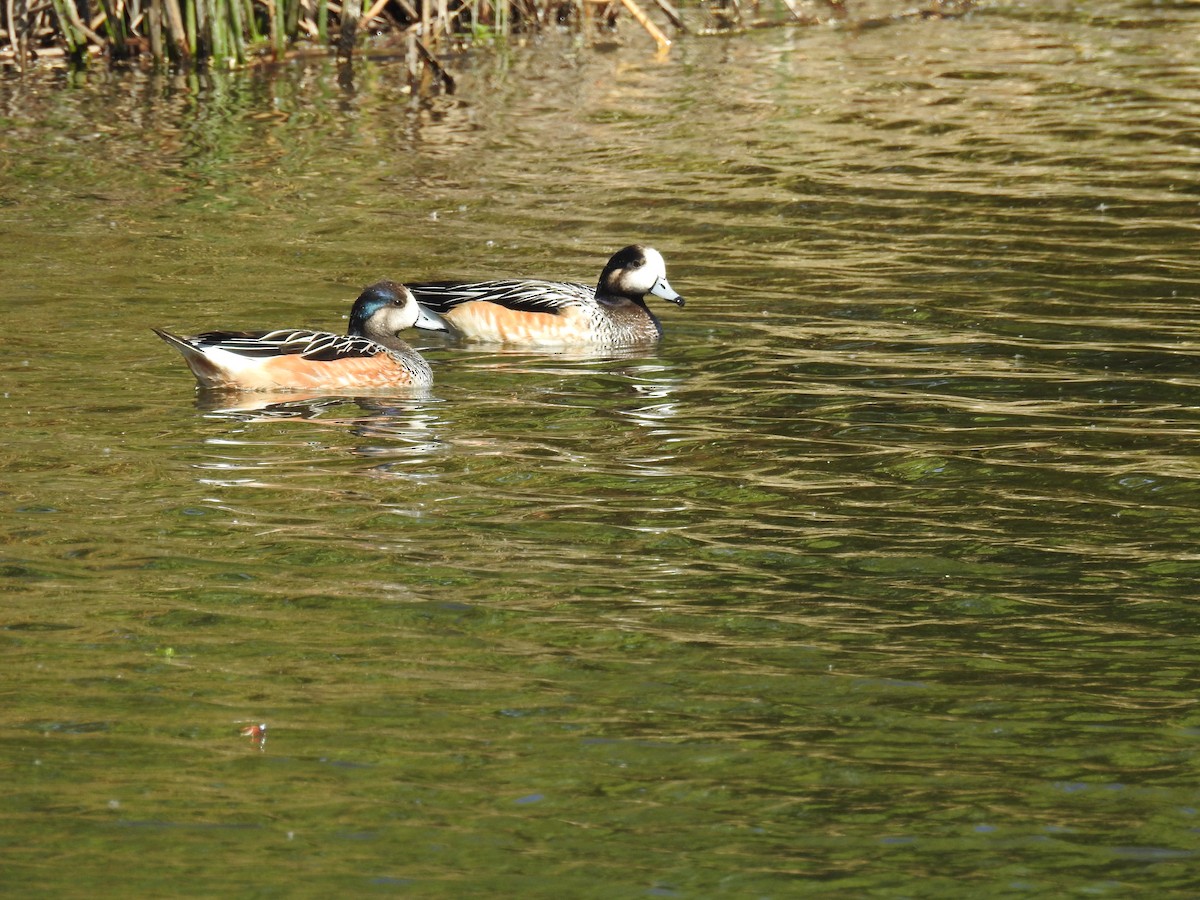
<point>387,308</point>
<point>634,272</point>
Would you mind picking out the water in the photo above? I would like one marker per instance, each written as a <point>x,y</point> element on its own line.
<point>877,578</point>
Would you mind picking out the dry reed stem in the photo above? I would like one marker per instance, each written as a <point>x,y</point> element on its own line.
<point>664,43</point>
<point>673,14</point>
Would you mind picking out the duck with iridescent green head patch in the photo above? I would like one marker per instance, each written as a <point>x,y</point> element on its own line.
<point>370,355</point>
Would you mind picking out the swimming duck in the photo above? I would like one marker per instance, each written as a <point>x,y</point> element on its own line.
<point>371,355</point>
<point>556,313</point>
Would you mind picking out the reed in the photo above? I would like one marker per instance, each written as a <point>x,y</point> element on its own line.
<point>233,33</point>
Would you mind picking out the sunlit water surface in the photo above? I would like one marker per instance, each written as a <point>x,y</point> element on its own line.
<point>878,577</point>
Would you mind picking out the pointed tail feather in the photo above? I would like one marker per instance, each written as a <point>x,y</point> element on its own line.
<point>208,374</point>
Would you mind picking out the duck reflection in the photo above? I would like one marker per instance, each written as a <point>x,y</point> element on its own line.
<point>519,406</point>
<point>382,426</point>
<point>251,406</point>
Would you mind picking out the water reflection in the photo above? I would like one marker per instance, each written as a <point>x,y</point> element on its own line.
<point>380,427</point>
<point>264,405</point>
<point>460,434</point>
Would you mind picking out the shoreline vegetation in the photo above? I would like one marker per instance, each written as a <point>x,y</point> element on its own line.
<point>232,34</point>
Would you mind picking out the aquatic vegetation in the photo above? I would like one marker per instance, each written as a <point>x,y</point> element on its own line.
<point>237,33</point>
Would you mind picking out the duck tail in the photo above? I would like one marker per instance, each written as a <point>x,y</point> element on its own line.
<point>206,372</point>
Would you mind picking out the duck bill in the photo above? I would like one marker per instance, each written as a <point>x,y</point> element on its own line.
<point>664,290</point>
<point>429,320</point>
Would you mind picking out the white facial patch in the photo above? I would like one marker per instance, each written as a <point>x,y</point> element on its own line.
<point>644,277</point>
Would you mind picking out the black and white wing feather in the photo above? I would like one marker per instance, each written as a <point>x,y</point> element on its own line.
<point>524,296</point>
<point>323,346</point>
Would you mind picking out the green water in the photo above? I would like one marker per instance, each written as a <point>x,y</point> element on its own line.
<point>877,578</point>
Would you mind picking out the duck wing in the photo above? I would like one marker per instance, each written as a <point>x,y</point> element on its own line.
<point>322,346</point>
<point>520,295</point>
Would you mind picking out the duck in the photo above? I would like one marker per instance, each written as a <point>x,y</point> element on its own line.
<point>370,355</point>
<point>535,313</point>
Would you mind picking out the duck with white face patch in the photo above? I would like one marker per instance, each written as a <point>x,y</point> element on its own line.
<point>537,313</point>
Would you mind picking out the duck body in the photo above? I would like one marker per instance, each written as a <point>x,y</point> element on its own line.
<point>536,313</point>
<point>371,355</point>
